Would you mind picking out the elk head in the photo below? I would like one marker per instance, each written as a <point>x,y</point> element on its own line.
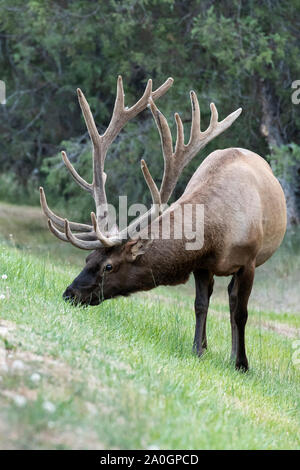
<point>119,263</point>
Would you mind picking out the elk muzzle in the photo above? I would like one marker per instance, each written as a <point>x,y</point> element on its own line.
<point>71,295</point>
<point>78,297</point>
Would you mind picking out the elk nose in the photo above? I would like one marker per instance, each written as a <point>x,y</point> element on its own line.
<point>69,294</point>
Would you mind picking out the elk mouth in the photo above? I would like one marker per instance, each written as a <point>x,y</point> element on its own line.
<point>77,298</point>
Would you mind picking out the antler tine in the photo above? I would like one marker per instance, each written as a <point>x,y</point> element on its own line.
<point>162,89</point>
<point>180,134</point>
<point>142,103</point>
<point>183,154</point>
<point>105,241</point>
<point>196,117</point>
<point>89,236</point>
<point>213,117</point>
<point>57,233</point>
<point>88,117</point>
<point>119,102</point>
<point>229,119</point>
<point>84,184</point>
<point>164,131</point>
<point>58,220</point>
<point>84,245</point>
<point>151,184</point>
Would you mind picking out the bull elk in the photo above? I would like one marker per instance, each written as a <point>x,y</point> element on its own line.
<point>244,219</point>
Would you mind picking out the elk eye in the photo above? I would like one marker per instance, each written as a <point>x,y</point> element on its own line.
<point>108,267</point>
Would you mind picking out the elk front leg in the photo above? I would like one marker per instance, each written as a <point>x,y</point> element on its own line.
<point>243,283</point>
<point>232,292</point>
<point>204,286</point>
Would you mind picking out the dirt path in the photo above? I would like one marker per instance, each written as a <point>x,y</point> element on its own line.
<point>268,325</point>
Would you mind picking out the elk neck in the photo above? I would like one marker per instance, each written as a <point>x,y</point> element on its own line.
<point>168,261</point>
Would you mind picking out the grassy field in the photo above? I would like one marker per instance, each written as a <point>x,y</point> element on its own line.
<point>122,375</point>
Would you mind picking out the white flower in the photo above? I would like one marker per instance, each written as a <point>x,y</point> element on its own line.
<point>48,406</point>
<point>20,400</point>
<point>4,276</point>
<point>18,365</point>
<point>35,377</point>
<point>2,296</point>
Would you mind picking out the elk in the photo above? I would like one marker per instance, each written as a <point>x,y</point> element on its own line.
<point>244,219</point>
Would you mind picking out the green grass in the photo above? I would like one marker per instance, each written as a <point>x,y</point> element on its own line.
<point>122,375</point>
<point>26,228</point>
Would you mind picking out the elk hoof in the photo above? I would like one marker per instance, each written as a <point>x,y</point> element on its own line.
<point>242,365</point>
<point>199,352</point>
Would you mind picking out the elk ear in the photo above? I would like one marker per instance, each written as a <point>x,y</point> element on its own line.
<point>135,248</point>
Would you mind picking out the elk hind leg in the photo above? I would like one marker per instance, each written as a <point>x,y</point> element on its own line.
<point>232,292</point>
<point>244,280</point>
